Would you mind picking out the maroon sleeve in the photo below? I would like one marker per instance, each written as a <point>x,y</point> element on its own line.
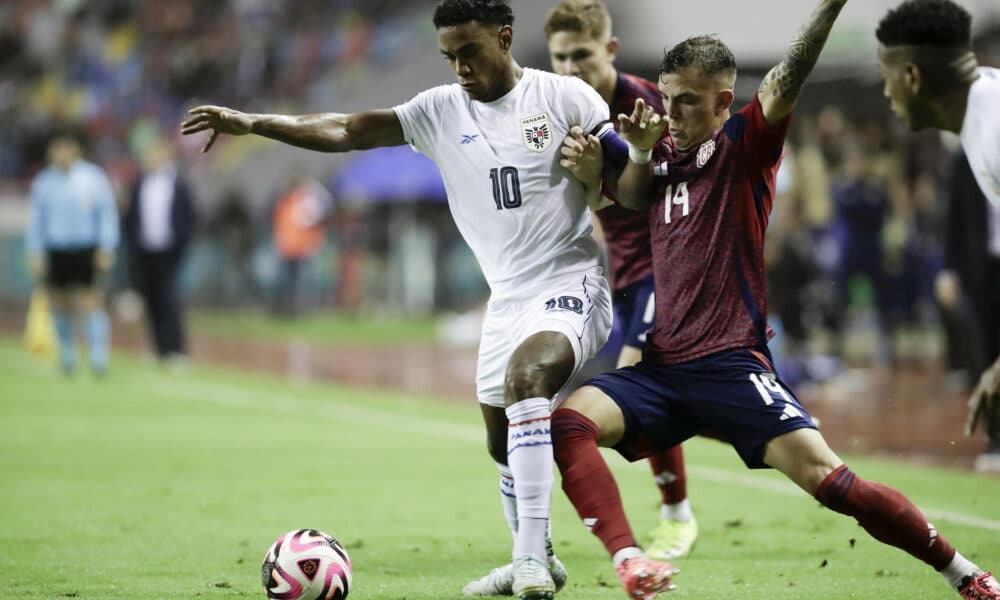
<point>760,142</point>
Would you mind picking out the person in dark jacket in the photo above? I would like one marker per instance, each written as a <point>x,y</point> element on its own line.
<point>159,223</point>
<point>969,285</point>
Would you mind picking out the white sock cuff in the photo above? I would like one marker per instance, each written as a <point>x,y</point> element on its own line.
<point>625,554</point>
<point>530,408</point>
<point>505,471</point>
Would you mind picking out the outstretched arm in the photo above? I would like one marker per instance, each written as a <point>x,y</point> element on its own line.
<point>781,86</point>
<point>325,132</point>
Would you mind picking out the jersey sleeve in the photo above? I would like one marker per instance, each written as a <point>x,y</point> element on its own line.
<point>759,142</point>
<point>585,107</point>
<point>420,119</point>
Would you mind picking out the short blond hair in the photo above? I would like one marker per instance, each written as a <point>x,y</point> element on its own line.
<point>582,16</point>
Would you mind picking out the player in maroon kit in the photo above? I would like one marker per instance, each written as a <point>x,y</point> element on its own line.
<point>706,365</point>
<point>581,45</point>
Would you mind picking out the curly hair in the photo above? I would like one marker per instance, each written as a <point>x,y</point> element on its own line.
<point>939,23</point>
<point>581,16</point>
<point>706,52</point>
<point>456,12</point>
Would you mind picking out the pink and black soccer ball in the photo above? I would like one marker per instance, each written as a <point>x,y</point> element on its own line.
<point>306,564</point>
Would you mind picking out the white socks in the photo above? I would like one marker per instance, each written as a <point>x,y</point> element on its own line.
<point>677,512</point>
<point>529,456</point>
<point>625,554</point>
<point>508,498</point>
<point>959,568</point>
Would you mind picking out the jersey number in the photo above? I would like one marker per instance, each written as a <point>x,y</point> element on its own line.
<point>770,391</point>
<point>569,303</point>
<point>506,187</point>
<point>680,198</point>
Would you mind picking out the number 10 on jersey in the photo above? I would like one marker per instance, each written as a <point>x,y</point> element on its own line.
<point>506,187</point>
<point>680,198</point>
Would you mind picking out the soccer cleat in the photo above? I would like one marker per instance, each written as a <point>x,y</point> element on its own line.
<point>500,581</point>
<point>672,539</point>
<point>981,587</point>
<point>558,572</point>
<point>644,578</point>
<point>532,580</point>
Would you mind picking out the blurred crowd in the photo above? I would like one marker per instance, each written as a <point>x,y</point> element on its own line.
<point>126,70</point>
<point>861,240</point>
<point>859,236</point>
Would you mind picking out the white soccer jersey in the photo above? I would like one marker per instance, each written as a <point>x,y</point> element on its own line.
<point>980,133</point>
<point>524,216</point>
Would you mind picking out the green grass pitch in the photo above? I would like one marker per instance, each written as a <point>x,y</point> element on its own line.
<point>152,485</point>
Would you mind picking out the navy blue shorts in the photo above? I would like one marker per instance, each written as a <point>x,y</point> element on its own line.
<point>634,311</point>
<point>733,395</point>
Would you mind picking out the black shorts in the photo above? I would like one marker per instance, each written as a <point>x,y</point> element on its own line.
<point>70,268</point>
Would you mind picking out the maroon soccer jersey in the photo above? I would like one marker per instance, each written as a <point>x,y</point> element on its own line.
<point>708,239</point>
<point>626,232</point>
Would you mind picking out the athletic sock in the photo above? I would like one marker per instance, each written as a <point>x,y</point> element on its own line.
<point>587,480</point>
<point>508,498</point>
<point>99,337</point>
<point>626,553</point>
<point>886,514</point>
<point>680,512</point>
<point>67,344</point>
<point>529,456</point>
<point>959,571</point>
<point>669,473</point>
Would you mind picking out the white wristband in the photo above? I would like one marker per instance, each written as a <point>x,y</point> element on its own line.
<point>639,156</point>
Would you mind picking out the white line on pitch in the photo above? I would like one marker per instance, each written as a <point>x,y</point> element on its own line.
<point>284,403</point>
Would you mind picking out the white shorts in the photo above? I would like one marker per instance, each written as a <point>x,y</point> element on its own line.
<point>577,306</point>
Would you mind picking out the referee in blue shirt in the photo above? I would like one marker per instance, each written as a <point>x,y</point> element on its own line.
<point>71,240</point>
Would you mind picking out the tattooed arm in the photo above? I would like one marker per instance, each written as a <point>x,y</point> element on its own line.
<point>781,86</point>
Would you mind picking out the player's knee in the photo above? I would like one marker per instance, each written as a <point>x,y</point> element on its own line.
<point>539,378</point>
<point>570,429</point>
<point>568,424</point>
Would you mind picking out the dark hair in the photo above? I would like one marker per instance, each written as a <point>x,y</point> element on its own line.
<point>69,132</point>
<point>457,12</point>
<point>706,52</point>
<point>939,23</point>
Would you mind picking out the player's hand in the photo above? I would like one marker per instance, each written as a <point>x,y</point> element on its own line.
<point>946,288</point>
<point>218,119</point>
<point>582,156</point>
<point>103,261</point>
<point>37,267</point>
<point>984,405</point>
<point>643,128</point>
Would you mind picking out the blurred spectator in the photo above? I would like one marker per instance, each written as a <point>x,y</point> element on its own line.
<point>232,229</point>
<point>71,240</point>
<point>861,208</point>
<point>158,227</point>
<point>300,219</point>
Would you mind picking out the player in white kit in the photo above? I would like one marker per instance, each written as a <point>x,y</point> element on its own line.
<point>495,136</point>
<point>934,81</point>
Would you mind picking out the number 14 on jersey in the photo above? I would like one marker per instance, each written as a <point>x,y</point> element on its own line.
<point>678,198</point>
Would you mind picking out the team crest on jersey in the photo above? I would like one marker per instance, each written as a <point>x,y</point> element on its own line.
<point>537,132</point>
<point>705,152</point>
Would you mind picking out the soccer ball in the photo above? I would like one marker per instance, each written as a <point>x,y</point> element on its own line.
<point>306,564</point>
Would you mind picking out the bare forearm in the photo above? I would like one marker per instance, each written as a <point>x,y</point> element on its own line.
<point>325,132</point>
<point>634,185</point>
<point>332,132</point>
<point>780,88</point>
